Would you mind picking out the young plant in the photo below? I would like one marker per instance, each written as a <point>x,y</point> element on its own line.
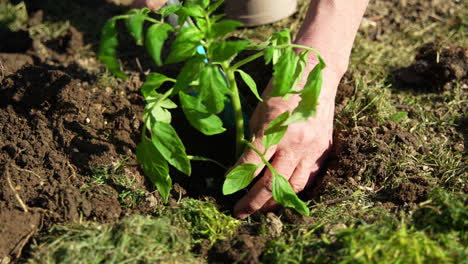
<point>204,84</point>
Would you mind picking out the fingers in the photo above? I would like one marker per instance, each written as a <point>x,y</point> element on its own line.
<point>152,4</point>
<point>261,192</point>
<point>299,180</point>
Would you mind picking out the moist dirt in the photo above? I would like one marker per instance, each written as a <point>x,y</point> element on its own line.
<point>58,125</point>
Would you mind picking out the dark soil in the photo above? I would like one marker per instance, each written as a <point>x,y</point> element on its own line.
<point>435,66</point>
<point>57,125</point>
<point>55,128</point>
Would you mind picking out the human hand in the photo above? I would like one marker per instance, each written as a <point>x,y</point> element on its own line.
<point>152,4</point>
<point>299,154</point>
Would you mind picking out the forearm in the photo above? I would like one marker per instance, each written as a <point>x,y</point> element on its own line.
<point>330,26</point>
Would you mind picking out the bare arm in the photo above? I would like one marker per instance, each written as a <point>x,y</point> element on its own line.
<point>330,26</point>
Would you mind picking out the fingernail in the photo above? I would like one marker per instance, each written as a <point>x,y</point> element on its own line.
<point>241,215</point>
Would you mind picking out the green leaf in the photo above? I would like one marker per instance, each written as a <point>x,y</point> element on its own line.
<point>275,131</point>
<point>397,117</point>
<point>213,88</point>
<point>284,194</point>
<point>268,54</point>
<point>166,140</point>
<point>108,46</point>
<point>309,96</point>
<point>135,24</point>
<point>162,115</point>
<point>155,37</point>
<point>199,117</point>
<point>279,38</point>
<point>195,11</point>
<point>189,73</point>
<point>153,82</point>
<point>201,3</point>
<point>284,73</point>
<point>201,24</point>
<point>223,27</point>
<point>250,83</point>
<point>184,46</point>
<point>168,10</point>
<point>155,167</point>
<point>223,50</point>
<point>239,178</point>
<point>301,61</point>
<point>214,6</point>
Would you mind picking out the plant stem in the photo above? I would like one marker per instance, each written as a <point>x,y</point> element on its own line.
<point>237,107</point>
<point>262,156</point>
<point>247,60</point>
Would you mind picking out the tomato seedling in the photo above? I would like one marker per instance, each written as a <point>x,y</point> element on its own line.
<point>204,84</point>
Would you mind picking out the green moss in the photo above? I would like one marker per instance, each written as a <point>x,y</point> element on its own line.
<point>13,17</point>
<point>381,244</point>
<point>136,239</point>
<point>204,220</point>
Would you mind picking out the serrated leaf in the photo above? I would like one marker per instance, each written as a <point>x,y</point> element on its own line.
<point>199,117</point>
<point>135,24</point>
<point>168,143</point>
<point>223,50</point>
<point>108,46</point>
<point>223,27</point>
<point>275,131</point>
<point>184,46</point>
<point>168,10</point>
<point>189,73</point>
<point>153,82</point>
<point>250,83</point>
<point>155,37</point>
<point>284,194</point>
<point>397,117</point>
<point>284,73</point>
<point>309,96</point>
<point>301,61</point>
<point>277,39</point>
<point>213,89</point>
<point>155,167</point>
<point>239,178</point>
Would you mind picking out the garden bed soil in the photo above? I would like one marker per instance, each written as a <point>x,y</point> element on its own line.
<point>58,125</point>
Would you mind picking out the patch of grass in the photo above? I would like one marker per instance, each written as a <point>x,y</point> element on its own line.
<point>136,239</point>
<point>371,101</point>
<point>107,80</point>
<point>444,212</point>
<point>204,220</point>
<point>13,17</point>
<point>382,244</point>
<point>169,238</point>
<point>376,243</point>
<point>115,176</point>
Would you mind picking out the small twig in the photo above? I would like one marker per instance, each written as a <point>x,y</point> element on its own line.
<point>25,207</point>
<point>72,169</point>
<point>25,170</point>
<point>23,243</point>
<point>139,65</point>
